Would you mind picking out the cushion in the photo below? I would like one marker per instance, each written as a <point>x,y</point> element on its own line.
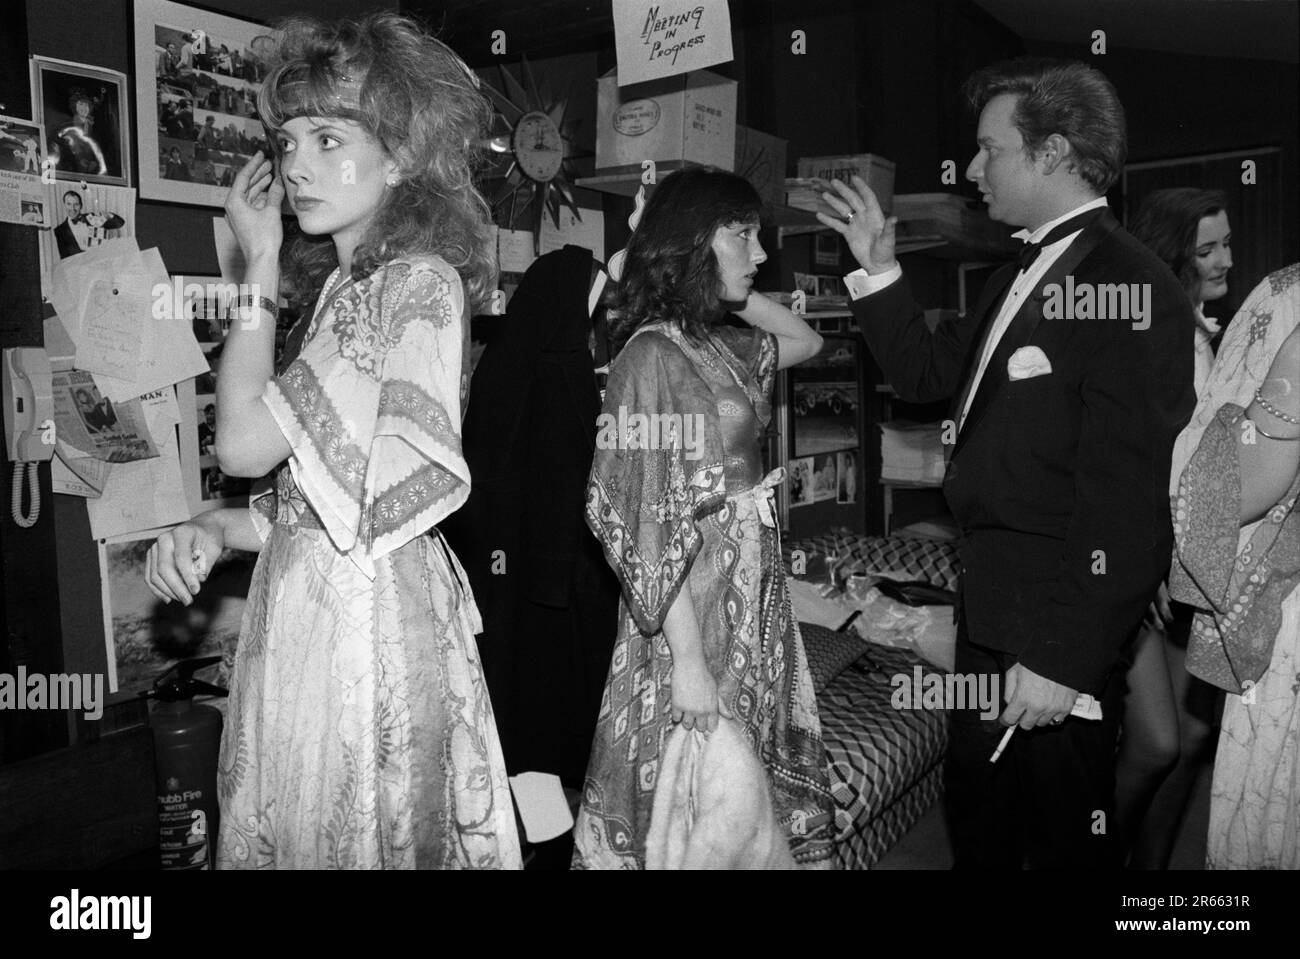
<point>829,653</point>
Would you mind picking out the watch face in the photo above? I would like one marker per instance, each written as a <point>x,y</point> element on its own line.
<point>538,147</point>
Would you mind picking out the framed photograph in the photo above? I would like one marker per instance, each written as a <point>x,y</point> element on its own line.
<point>826,249</point>
<point>830,286</point>
<point>87,128</point>
<point>197,76</point>
<point>826,400</point>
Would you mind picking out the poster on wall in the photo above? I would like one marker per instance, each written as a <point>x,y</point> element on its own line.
<point>197,76</point>
<point>22,158</point>
<point>662,38</point>
<point>87,128</point>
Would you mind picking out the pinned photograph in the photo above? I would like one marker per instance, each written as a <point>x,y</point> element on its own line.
<point>801,481</point>
<point>823,477</point>
<point>22,157</point>
<point>846,469</point>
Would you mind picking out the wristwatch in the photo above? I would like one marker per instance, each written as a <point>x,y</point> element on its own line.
<point>246,305</point>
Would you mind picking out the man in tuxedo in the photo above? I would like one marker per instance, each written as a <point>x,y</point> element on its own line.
<point>1058,475</point>
<point>80,231</point>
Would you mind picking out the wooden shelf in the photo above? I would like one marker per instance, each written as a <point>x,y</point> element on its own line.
<point>909,484</point>
<point>626,183</point>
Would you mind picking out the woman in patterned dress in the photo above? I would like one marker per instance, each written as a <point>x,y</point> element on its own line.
<point>680,503</point>
<point>359,732</point>
<point>1237,560</point>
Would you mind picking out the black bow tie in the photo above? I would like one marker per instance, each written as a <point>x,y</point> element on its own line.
<point>1029,252</point>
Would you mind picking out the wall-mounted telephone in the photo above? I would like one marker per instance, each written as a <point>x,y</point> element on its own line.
<point>29,422</point>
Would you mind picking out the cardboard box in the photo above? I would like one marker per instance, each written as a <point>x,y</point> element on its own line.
<point>691,117</point>
<point>877,171</point>
<point>760,158</point>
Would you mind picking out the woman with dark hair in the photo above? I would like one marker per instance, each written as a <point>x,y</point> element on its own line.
<point>1169,714</point>
<point>359,732</point>
<point>176,168</point>
<point>1188,229</point>
<point>678,499</point>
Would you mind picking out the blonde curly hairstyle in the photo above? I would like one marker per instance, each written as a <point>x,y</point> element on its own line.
<point>421,103</point>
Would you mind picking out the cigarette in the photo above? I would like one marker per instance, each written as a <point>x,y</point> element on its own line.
<point>1006,737</point>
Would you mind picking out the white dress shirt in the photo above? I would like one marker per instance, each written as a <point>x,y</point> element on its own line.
<point>860,283</point>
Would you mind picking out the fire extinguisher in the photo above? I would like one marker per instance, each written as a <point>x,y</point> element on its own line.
<point>187,739</point>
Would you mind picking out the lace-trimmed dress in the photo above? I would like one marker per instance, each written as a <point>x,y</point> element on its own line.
<point>696,514</point>
<point>359,734</point>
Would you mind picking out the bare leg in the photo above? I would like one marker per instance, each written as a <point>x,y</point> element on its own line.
<point>1149,745</point>
<point>1196,701</point>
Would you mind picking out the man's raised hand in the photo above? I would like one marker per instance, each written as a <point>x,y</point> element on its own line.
<point>866,229</point>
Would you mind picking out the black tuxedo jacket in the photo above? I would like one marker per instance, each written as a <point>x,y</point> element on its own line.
<point>1058,482</point>
<point>68,245</point>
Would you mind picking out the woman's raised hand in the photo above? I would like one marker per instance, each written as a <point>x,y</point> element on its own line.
<point>253,208</point>
<point>179,560</point>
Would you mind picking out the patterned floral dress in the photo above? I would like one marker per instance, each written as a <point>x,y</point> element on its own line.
<point>359,734</point>
<point>692,510</point>
<point>1243,580</point>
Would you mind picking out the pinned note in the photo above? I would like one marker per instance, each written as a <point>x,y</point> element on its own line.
<point>112,325</point>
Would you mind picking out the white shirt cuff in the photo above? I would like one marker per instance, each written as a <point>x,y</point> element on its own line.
<point>861,283</point>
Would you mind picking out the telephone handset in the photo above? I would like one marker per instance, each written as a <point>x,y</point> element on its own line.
<point>29,422</point>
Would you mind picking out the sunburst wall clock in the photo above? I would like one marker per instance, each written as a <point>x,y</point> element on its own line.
<point>534,153</point>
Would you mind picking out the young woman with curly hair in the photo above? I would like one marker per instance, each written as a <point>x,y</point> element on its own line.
<point>684,514</point>
<point>359,732</point>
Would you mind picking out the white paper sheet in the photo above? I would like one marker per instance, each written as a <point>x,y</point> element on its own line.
<point>166,348</point>
<point>515,250</point>
<point>540,800</point>
<point>110,340</point>
<point>588,232</point>
<point>142,495</point>
<point>662,38</point>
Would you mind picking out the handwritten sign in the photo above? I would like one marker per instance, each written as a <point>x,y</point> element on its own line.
<point>662,38</point>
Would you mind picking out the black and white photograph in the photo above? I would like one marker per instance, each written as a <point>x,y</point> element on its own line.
<point>846,471</point>
<point>802,482</point>
<point>887,460</point>
<point>82,216</point>
<point>148,636</point>
<point>22,165</point>
<point>196,96</point>
<point>216,489</point>
<point>87,126</point>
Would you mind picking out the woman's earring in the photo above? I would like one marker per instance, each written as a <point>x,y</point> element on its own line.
<point>392,179</point>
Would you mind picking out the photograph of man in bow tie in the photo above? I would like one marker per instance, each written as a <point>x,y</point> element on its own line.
<point>80,231</point>
<point>1058,478</point>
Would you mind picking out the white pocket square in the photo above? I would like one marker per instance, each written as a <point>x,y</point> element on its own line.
<point>1026,362</point>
